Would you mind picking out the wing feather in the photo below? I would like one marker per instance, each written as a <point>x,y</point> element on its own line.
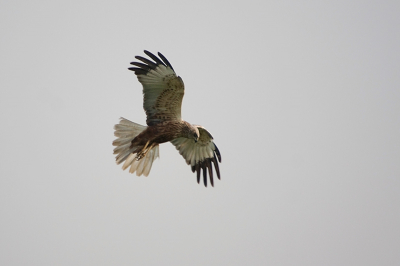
<point>165,60</point>
<point>201,155</point>
<point>155,58</point>
<point>147,61</point>
<point>163,90</point>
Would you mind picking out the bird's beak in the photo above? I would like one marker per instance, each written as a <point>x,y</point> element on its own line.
<point>195,140</point>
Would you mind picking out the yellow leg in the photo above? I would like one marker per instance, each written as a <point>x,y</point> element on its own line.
<point>144,151</point>
<point>145,146</point>
<point>149,149</point>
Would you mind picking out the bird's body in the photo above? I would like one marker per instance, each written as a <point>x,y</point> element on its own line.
<point>163,92</point>
<point>158,134</point>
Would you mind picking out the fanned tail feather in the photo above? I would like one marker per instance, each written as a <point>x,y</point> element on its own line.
<point>125,132</point>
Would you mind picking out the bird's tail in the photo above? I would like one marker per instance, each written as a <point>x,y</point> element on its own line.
<point>125,132</point>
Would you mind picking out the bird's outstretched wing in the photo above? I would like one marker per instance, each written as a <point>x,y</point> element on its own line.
<point>200,155</point>
<point>162,89</point>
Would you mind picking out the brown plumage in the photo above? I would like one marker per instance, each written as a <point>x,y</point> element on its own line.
<point>138,146</point>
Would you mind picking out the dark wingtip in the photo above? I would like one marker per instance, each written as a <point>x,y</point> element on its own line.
<point>216,166</point>
<point>207,167</point>
<point>210,171</point>
<point>142,66</point>
<point>165,60</point>
<point>155,58</point>
<point>147,61</point>
<point>198,173</point>
<point>138,71</point>
<point>204,175</point>
<point>217,152</point>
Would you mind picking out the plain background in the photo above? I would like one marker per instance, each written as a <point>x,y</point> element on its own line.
<point>302,98</point>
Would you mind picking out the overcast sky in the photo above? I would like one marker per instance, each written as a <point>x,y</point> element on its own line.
<point>303,101</point>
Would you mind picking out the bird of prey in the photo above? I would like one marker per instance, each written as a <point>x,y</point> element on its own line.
<point>138,146</point>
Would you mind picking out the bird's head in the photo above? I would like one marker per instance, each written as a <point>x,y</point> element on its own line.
<point>194,134</point>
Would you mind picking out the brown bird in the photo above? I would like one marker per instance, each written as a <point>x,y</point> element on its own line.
<point>163,92</point>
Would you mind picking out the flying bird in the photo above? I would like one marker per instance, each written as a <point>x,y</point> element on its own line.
<point>138,146</point>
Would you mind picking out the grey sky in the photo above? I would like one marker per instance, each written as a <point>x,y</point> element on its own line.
<point>302,98</point>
